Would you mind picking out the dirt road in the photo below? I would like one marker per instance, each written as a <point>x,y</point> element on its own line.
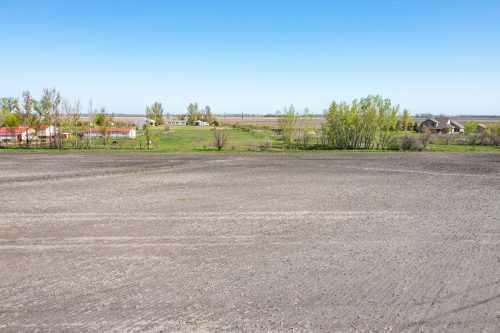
<point>402,242</point>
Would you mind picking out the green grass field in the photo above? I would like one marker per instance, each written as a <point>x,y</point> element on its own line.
<point>189,138</point>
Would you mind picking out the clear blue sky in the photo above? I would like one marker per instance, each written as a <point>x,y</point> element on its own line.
<point>255,56</point>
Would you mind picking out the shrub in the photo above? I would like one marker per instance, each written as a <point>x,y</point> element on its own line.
<point>409,142</point>
<point>426,138</point>
<point>220,138</point>
<point>268,144</point>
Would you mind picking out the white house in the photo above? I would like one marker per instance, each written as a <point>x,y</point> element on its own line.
<point>143,121</point>
<point>128,133</point>
<point>46,131</point>
<point>200,123</point>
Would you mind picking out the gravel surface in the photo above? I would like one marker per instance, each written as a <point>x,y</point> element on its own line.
<point>345,242</point>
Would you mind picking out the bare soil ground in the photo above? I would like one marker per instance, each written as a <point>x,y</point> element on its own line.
<point>346,242</point>
<point>259,121</point>
<point>263,121</point>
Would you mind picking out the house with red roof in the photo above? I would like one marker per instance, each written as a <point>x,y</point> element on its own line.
<point>20,133</point>
<point>112,132</point>
<point>46,131</point>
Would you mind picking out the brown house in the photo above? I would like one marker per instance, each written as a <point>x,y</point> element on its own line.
<point>480,128</point>
<point>442,125</point>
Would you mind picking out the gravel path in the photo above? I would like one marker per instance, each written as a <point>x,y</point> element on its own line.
<point>346,242</point>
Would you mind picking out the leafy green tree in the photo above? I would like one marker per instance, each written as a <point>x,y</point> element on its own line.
<point>37,106</point>
<point>304,128</point>
<point>470,126</point>
<point>406,120</point>
<point>11,122</point>
<point>287,119</point>
<point>157,113</point>
<point>388,119</point>
<point>9,105</point>
<point>193,113</point>
<point>100,119</point>
<point>366,123</point>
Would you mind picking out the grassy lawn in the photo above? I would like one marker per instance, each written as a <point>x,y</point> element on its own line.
<point>451,147</point>
<point>189,138</point>
<point>178,139</point>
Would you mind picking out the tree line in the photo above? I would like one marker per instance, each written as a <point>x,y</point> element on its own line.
<point>367,123</point>
<point>35,113</point>
<point>52,113</point>
<point>195,113</point>
<point>371,122</point>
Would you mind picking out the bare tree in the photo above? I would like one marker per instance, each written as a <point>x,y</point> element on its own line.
<point>74,117</point>
<point>66,111</point>
<point>220,138</point>
<point>426,138</point>
<point>50,104</point>
<point>27,118</point>
<point>46,113</point>
<point>71,114</point>
<point>90,121</point>
<point>147,126</point>
<point>38,115</point>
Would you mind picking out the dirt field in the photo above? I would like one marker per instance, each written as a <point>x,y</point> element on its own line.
<point>263,121</point>
<point>401,242</point>
<point>259,121</point>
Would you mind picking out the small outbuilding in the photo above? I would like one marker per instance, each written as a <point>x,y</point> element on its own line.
<point>127,133</point>
<point>175,122</point>
<point>201,123</point>
<point>144,121</point>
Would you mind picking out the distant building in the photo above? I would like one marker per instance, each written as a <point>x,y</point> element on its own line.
<point>480,128</point>
<point>442,125</point>
<point>175,122</point>
<point>143,121</point>
<point>46,131</point>
<point>200,123</point>
<point>20,133</point>
<point>129,133</point>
